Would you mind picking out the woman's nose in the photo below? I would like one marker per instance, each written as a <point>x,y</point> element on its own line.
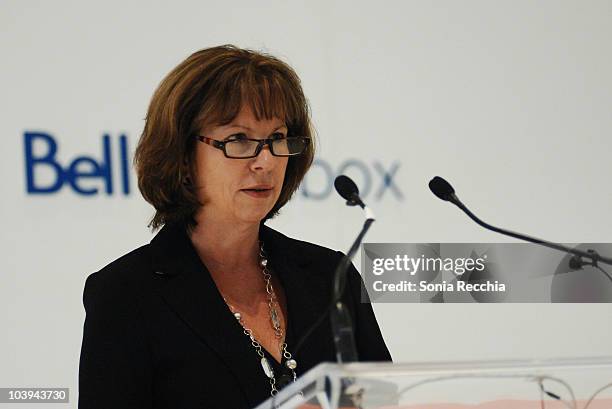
<point>264,160</point>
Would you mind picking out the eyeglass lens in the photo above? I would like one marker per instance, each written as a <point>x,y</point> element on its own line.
<point>280,147</point>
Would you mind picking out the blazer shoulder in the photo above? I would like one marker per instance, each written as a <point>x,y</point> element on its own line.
<point>128,268</point>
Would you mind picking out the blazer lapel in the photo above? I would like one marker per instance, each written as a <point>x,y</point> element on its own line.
<point>307,285</point>
<point>187,287</point>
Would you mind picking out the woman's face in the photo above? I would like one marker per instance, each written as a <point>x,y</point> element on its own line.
<point>226,187</point>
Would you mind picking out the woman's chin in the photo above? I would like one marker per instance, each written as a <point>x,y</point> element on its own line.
<point>254,216</point>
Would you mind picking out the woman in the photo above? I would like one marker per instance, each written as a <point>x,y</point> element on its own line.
<point>208,314</point>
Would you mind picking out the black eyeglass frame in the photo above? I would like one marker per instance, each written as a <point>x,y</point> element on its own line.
<point>260,144</point>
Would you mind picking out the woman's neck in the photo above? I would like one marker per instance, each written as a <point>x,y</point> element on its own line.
<point>226,246</point>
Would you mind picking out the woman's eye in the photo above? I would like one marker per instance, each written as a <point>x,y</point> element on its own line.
<point>236,137</point>
<point>278,135</point>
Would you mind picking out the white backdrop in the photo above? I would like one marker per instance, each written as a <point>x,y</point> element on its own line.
<point>510,100</point>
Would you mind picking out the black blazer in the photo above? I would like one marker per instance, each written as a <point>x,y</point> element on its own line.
<point>158,334</point>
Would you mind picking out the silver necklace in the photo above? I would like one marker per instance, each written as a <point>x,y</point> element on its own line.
<point>290,363</point>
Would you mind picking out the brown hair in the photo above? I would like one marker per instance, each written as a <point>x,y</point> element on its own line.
<point>209,88</point>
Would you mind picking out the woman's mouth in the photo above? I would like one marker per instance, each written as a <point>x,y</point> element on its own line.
<point>258,192</point>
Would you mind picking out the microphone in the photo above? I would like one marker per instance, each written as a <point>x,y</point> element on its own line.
<point>349,191</point>
<point>444,191</point>
<point>342,327</point>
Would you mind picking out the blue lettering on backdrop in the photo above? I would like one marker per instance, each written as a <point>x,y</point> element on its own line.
<point>78,170</point>
<point>387,180</point>
<point>357,167</point>
<point>327,187</point>
<point>374,177</point>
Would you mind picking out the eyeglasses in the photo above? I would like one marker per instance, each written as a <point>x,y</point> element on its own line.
<point>241,147</point>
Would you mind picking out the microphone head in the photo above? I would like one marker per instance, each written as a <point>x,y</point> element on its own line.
<point>441,188</point>
<point>346,187</point>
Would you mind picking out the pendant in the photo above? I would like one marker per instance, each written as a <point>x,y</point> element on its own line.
<point>267,368</point>
<point>291,364</point>
<point>274,318</point>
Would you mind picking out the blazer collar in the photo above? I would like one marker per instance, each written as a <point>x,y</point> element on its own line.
<point>174,254</point>
<point>187,287</point>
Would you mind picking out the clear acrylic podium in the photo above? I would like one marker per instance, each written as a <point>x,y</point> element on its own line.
<point>536,384</point>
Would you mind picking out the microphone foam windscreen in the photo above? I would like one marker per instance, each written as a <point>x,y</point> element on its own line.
<point>346,187</point>
<point>441,188</point>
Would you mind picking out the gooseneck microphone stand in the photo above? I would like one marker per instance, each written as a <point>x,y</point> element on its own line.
<point>444,191</point>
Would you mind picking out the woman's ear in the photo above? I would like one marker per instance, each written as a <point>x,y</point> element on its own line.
<point>186,172</point>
